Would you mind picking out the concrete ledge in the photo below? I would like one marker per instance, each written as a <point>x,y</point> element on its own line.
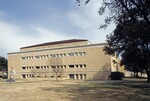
<point>10,80</point>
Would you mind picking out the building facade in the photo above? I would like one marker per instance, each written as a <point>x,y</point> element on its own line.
<point>68,59</point>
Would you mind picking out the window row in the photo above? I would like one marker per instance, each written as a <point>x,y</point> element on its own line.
<point>53,55</point>
<point>77,66</point>
<point>77,76</point>
<point>70,76</point>
<point>36,67</point>
<point>54,66</point>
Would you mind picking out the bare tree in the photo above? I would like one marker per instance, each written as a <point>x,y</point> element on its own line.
<point>56,65</point>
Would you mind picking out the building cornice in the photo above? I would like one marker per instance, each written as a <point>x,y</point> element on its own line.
<point>89,45</point>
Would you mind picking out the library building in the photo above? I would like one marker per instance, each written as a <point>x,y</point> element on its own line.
<point>67,59</point>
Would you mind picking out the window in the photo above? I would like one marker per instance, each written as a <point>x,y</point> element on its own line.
<point>41,56</point>
<point>23,76</point>
<point>80,53</point>
<point>53,66</point>
<point>31,57</point>
<point>57,55</point>
<point>70,54</point>
<point>23,58</point>
<point>64,54</point>
<point>61,55</point>
<point>23,67</point>
<point>81,77</point>
<point>61,66</point>
<point>77,76</point>
<point>80,65</point>
<point>64,66</point>
<point>71,66</point>
<point>53,55</point>
<point>71,76</point>
<point>84,53</point>
<point>46,56</point>
<point>76,53</point>
<point>76,66</point>
<point>84,75</point>
<point>84,65</point>
<point>37,67</point>
<point>37,57</point>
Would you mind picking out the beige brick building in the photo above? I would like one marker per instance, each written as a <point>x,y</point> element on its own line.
<point>68,59</point>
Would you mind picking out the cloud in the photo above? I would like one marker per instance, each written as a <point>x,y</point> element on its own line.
<point>50,35</point>
<point>87,20</point>
<point>13,37</point>
<point>53,24</point>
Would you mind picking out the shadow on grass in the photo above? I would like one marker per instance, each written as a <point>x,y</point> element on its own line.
<point>106,91</point>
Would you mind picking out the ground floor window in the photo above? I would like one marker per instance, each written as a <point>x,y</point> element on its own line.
<point>23,76</point>
<point>77,76</point>
<point>71,76</point>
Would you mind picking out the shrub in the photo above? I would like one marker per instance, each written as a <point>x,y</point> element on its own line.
<point>117,75</point>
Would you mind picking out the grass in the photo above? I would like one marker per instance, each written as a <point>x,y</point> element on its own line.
<point>72,90</point>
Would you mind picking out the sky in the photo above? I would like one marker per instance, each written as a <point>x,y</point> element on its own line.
<point>29,22</point>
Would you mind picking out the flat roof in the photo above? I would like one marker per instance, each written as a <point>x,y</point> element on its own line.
<point>89,45</point>
<point>56,42</point>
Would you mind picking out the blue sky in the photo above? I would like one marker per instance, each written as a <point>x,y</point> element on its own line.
<point>29,22</point>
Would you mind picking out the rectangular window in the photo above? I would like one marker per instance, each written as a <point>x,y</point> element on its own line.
<point>76,66</point>
<point>23,58</point>
<point>32,57</point>
<point>64,54</point>
<point>71,76</point>
<point>37,67</point>
<point>23,76</point>
<point>81,77</point>
<point>84,65</point>
<point>64,66</point>
<point>80,53</point>
<point>23,67</point>
<point>53,55</point>
<point>57,55</point>
<point>53,66</point>
<point>37,57</point>
<point>71,66</point>
<point>81,66</point>
<point>46,56</point>
<point>84,75</point>
<point>84,53</point>
<point>76,53</point>
<point>61,55</point>
<point>70,54</point>
<point>77,76</point>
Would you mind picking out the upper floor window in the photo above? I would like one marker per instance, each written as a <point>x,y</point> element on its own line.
<point>70,54</point>
<point>71,66</point>
<point>23,58</point>
<point>53,55</point>
<point>23,67</point>
<point>37,57</point>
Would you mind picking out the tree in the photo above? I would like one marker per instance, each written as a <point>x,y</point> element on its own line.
<point>3,64</point>
<point>135,9</point>
<point>132,33</point>
<point>55,63</point>
<point>131,39</point>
